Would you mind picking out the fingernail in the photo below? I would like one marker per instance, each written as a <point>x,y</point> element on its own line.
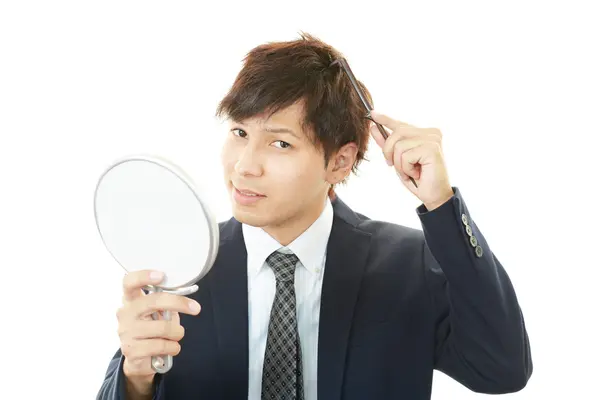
<point>389,162</point>
<point>194,307</point>
<point>156,276</point>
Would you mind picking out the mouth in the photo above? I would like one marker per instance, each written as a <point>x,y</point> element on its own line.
<point>246,197</point>
<point>247,192</point>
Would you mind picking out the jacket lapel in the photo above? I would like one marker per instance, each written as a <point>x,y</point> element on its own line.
<point>229,294</point>
<point>347,252</point>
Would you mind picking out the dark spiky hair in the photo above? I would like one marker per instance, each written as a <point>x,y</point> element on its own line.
<point>276,75</point>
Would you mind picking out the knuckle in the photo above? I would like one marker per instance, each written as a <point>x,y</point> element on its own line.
<point>171,348</point>
<point>176,332</point>
<point>388,152</point>
<point>155,301</point>
<point>168,347</point>
<point>139,330</point>
<point>169,302</point>
<point>433,138</point>
<point>436,147</point>
<point>175,317</point>
<point>135,279</point>
<point>134,367</point>
<point>163,347</point>
<point>123,313</point>
<point>147,303</point>
<point>434,134</point>
<point>122,331</point>
<point>139,349</point>
<point>167,328</point>
<point>176,348</point>
<point>126,349</point>
<point>130,280</point>
<point>399,149</point>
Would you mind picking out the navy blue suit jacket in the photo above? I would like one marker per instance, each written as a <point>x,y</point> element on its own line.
<point>396,304</point>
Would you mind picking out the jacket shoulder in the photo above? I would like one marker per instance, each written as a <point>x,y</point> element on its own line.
<point>389,231</point>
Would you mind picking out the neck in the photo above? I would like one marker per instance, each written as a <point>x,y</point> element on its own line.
<point>287,231</point>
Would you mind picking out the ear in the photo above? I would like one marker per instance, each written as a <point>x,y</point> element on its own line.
<point>340,164</point>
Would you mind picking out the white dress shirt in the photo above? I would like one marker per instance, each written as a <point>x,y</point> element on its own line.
<point>310,248</point>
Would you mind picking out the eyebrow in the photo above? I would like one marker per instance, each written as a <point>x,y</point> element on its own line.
<point>282,130</point>
<point>276,130</point>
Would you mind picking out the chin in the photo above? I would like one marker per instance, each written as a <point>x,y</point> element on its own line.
<point>249,217</point>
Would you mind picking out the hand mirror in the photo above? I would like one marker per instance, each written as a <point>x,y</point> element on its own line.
<point>150,215</point>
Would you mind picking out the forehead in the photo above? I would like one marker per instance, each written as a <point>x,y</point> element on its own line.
<point>290,117</point>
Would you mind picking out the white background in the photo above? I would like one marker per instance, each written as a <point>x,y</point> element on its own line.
<point>513,86</point>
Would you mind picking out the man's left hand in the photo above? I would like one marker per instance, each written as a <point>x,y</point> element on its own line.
<point>417,153</point>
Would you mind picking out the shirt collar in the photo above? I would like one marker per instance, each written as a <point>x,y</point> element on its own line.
<point>310,247</point>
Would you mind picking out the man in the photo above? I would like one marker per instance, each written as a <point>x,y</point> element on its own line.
<point>308,299</point>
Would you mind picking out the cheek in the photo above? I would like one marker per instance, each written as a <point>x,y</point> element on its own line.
<point>228,157</point>
<point>294,175</point>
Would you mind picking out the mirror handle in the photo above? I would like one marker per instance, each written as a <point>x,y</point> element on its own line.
<point>163,363</point>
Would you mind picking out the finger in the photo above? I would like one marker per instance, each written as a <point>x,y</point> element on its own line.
<point>403,132</point>
<point>161,301</point>
<point>388,121</point>
<point>134,281</point>
<point>411,159</point>
<point>406,135</point>
<point>136,349</point>
<point>127,313</point>
<point>377,136</point>
<point>174,317</point>
<point>397,157</point>
<point>151,329</point>
<point>161,316</point>
<point>398,144</point>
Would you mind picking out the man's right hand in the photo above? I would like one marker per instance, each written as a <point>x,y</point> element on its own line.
<point>141,336</point>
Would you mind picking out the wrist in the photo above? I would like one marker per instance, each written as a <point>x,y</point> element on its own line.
<point>139,387</point>
<point>439,202</point>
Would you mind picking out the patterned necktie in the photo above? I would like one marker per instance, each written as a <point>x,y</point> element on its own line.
<point>282,370</point>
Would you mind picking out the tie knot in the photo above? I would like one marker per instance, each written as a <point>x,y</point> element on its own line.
<point>283,265</point>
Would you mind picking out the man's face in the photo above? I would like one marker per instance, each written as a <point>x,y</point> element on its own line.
<point>274,177</point>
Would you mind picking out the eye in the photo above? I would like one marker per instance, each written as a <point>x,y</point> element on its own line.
<point>284,145</point>
<point>239,132</point>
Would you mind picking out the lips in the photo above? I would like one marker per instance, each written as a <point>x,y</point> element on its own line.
<point>248,192</point>
<point>246,197</point>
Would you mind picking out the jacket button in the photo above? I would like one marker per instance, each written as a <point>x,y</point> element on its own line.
<point>465,220</point>
<point>469,230</point>
<point>473,240</point>
<point>478,251</point>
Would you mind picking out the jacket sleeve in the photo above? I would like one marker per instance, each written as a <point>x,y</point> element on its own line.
<point>481,340</point>
<point>113,387</point>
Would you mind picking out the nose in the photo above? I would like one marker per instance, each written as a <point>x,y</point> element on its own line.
<point>248,163</point>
